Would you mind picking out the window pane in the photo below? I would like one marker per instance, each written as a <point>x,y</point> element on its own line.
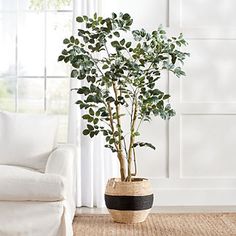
<point>34,5</point>
<point>39,5</point>
<point>9,5</point>
<point>59,26</point>
<point>7,44</point>
<point>29,29</point>
<point>58,103</point>
<point>31,44</point>
<point>58,96</point>
<point>59,4</point>
<point>31,95</point>
<point>7,94</point>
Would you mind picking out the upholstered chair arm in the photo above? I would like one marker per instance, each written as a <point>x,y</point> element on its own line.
<point>61,161</point>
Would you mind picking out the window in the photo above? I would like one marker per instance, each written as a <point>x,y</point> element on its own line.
<point>31,79</point>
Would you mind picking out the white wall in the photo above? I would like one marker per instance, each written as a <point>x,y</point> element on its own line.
<point>195,160</point>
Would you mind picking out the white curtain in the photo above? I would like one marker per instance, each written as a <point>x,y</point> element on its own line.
<point>95,164</point>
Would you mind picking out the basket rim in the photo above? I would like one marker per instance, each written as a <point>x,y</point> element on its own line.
<point>135,180</point>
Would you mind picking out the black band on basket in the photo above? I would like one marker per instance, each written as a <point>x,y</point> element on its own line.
<point>129,203</point>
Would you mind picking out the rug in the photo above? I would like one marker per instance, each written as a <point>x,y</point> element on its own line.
<point>197,224</point>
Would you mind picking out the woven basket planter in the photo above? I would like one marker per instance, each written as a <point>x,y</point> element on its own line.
<point>129,202</point>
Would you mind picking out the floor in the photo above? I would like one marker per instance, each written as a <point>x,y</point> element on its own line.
<point>172,221</point>
<point>166,209</point>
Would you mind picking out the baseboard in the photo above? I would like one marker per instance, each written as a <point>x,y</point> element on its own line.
<point>166,209</point>
<point>195,197</point>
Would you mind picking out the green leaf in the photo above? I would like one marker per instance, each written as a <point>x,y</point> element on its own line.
<point>91,79</point>
<point>64,52</point>
<point>86,39</point>
<point>173,58</point>
<point>110,99</point>
<point>109,26</point>
<point>135,145</point>
<point>79,19</point>
<point>91,134</point>
<point>105,133</point>
<point>91,111</point>
<point>115,44</point>
<point>166,96</point>
<point>143,144</point>
<point>95,16</point>
<point>90,127</point>
<point>72,39</point>
<point>136,35</point>
<point>90,98</point>
<point>114,15</point>
<point>126,16</point>
<point>97,113</point>
<point>93,71</point>
<point>162,32</point>
<point>95,121</point>
<point>86,117</point>
<point>105,66</point>
<point>117,34</point>
<point>85,18</point>
<point>83,90</point>
<point>91,41</point>
<point>86,132</point>
<point>66,59</point>
<point>128,44</point>
<point>112,140</point>
<point>122,42</point>
<point>66,41</point>
<point>150,145</point>
<point>74,73</point>
<point>90,119</point>
<point>61,58</point>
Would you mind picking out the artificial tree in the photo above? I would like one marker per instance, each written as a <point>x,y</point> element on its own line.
<point>120,70</point>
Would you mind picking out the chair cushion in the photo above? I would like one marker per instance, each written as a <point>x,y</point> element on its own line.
<point>21,184</point>
<point>27,140</point>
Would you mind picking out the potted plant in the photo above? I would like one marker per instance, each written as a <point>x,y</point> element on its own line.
<point>120,70</point>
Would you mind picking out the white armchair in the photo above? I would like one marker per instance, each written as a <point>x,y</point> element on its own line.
<point>35,199</point>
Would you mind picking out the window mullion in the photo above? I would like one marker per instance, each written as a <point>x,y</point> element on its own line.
<point>45,57</point>
<point>16,58</point>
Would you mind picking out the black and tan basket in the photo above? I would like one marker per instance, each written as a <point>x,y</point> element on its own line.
<point>129,202</point>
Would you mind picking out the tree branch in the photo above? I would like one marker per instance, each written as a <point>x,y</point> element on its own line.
<point>132,139</point>
<point>119,146</point>
<point>112,124</point>
<point>135,163</point>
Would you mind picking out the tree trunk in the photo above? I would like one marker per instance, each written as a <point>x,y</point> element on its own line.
<point>132,129</point>
<point>122,166</point>
<point>130,159</point>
